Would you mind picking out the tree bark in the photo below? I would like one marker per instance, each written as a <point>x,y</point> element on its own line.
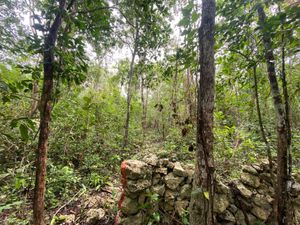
<point>282,137</point>
<point>144,105</point>
<point>201,205</point>
<point>260,121</point>
<point>46,99</point>
<point>34,95</point>
<point>130,75</point>
<point>286,104</point>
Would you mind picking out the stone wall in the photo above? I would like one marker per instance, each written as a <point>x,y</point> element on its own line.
<point>159,190</point>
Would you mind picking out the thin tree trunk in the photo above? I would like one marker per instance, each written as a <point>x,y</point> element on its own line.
<point>286,104</point>
<point>282,138</point>
<point>144,105</point>
<point>46,98</point>
<point>34,95</point>
<point>201,205</point>
<point>130,75</point>
<point>261,126</point>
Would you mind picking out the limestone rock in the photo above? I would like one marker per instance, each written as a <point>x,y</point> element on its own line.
<point>250,180</point>
<point>179,171</point>
<point>244,191</point>
<point>227,216</point>
<point>166,163</point>
<point>159,189</point>
<point>181,206</point>
<point>169,196</point>
<point>249,169</point>
<point>129,206</point>
<point>151,159</point>
<point>136,169</point>
<point>134,186</point>
<point>232,208</point>
<point>161,170</point>
<point>156,178</point>
<point>262,201</point>
<point>221,203</point>
<point>185,192</point>
<point>137,219</point>
<point>260,213</point>
<point>221,188</point>
<point>172,181</point>
<point>94,216</point>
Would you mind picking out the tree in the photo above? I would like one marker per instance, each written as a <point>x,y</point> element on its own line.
<point>201,206</point>
<point>41,154</point>
<point>282,132</point>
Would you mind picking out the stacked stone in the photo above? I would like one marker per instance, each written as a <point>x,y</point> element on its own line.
<point>164,186</point>
<point>155,185</point>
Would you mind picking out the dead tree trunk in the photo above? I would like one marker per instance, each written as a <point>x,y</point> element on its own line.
<point>282,137</point>
<point>201,205</point>
<point>46,98</point>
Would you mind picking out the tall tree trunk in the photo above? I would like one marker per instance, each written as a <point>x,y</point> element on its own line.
<point>46,98</point>
<point>174,92</point>
<point>201,205</point>
<point>130,75</point>
<point>282,137</point>
<point>286,103</point>
<point>260,121</point>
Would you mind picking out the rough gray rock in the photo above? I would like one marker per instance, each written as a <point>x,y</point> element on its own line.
<point>244,191</point>
<point>260,213</point>
<point>159,189</point>
<point>250,180</point>
<point>134,186</point>
<point>249,169</point>
<point>136,169</point>
<point>137,219</point>
<point>94,216</point>
<point>172,181</point>
<point>185,192</point>
<point>151,159</point>
<point>179,171</point>
<point>221,202</point>
<point>129,206</point>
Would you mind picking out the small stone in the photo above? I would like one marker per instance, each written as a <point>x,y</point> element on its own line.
<point>221,188</point>
<point>232,208</point>
<point>135,169</point>
<point>227,216</point>
<point>244,191</point>
<point>156,178</point>
<point>260,213</point>
<point>129,206</point>
<point>159,189</point>
<point>261,201</point>
<point>161,170</point>
<point>179,171</point>
<point>172,181</point>
<point>249,169</point>
<point>169,195</point>
<point>181,206</point>
<point>151,159</point>
<point>94,216</point>
<point>221,203</point>
<point>137,185</point>
<point>250,180</point>
<point>185,192</point>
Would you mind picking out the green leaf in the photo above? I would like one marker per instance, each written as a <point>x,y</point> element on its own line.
<point>206,195</point>
<point>24,131</point>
